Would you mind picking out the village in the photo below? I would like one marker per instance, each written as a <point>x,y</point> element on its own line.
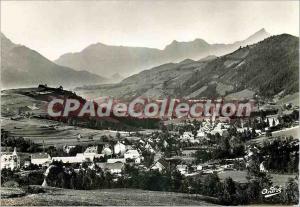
<point>184,149</point>
<point>177,154</point>
<point>145,103</point>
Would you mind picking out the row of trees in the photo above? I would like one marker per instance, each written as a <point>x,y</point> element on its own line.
<point>227,192</point>
<point>19,142</point>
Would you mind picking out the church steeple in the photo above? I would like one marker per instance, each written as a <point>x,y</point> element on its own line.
<point>15,152</point>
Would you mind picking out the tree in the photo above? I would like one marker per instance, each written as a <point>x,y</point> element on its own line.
<point>211,185</point>
<point>253,133</point>
<point>228,191</point>
<point>118,135</point>
<point>202,156</point>
<point>291,192</point>
<point>176,181</point>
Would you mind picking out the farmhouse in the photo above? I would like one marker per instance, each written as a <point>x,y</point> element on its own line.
<point>116,160</point>
<point>188,153</point>
<point>119,149</point>
<point>114,168</point>
<point>40,159</point>
<point>160,165</point>
<point>106,151</point>
<point>67,148</point>
<point>183,169</point>
<point>133,155</point>
<point>88,156</point>
<point>74,159</point>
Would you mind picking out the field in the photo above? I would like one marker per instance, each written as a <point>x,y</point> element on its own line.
<point>105,197</point>
<point>240,176</point>
<point>292,98</point>
<point>293,131</point>
<point>51,132</point>
<point>54,133</point>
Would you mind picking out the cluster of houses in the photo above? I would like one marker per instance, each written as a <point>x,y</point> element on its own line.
<point>113,158</point>
<point>116,157</point>
<point>123,155</point>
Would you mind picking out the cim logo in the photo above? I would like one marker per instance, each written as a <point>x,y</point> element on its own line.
<point>271,192</point>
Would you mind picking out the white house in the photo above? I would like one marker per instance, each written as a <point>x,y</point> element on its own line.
<point>149,148</point>
<point>67,148</point>
<point>91,153</point>
<point>199,167</point>
<point>119,149</point>
<point>219,128</point>
<point>262,167</point>
<point>11,161</point>
<point>27,163</point>
<point>228,167</point>
<point>114,168</point>
<point>116,160</point>
<point>200,134</point>
<point>106,151</point>
<point>40,159</point>
<point>134,155</point>
<point>159,165</point>
<point>187,136</point>
<point>74,159</point>
<point>88,156</point>
<point>188,153</point>
<point>131,154</point>
<point>183,169</point>
<point>165,144</point>
<point>138,160</point>
<point>91,150</point>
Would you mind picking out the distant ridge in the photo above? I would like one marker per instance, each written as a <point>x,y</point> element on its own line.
<point>107,60</point>
<point>23,67</point>
<point>266,69</point>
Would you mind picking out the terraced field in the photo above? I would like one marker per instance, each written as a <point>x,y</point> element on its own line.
<point>42,130</point>
<point>54,133</point>
<point>11,102</point>
<point>51,132</point>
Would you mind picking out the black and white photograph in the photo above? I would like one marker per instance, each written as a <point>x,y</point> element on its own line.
<point>149,103</point>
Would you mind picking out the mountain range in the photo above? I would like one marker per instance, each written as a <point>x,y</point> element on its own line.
<point>267,68</point>
<point>261,65</point>
<point>106,60</point>
<point>23,67</point>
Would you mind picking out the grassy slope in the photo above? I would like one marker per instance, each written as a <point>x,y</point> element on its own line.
<point>240,176</point>
<point>107,197</point>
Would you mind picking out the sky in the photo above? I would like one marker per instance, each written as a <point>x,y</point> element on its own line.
<point>57,27</point>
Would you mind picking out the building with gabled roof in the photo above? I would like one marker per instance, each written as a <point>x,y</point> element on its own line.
<point>40,159</point>
<point>114,168</point>
<point>160,165</point>
<point>119,149</point>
